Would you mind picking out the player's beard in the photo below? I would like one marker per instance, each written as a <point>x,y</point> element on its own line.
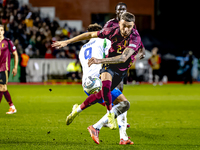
<point>125,34</point>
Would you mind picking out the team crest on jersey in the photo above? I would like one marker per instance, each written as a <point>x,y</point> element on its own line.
<point>3,44</point>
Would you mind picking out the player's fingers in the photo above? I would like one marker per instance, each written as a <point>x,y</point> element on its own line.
<point>55,44</point>
<point>90,61</point>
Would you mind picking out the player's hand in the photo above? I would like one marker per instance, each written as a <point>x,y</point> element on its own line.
<point>142,54</point>
<point>59,44</point>
<point>93,61</point>
<point>14,71</point>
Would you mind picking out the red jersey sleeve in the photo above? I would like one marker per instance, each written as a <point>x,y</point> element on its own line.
<point>104,33</point>
<point>12,46</point>
<point>135,42</point>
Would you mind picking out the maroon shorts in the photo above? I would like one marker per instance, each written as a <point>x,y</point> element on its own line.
<point>4,77</point>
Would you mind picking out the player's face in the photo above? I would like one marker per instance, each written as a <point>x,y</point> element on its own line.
<point>1,32</point>
<point>125,27</point>
<point>120,9</point>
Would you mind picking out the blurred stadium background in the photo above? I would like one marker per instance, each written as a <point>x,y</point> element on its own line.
<point>34,24</point>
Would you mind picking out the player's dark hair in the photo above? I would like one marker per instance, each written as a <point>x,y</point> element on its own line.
<point>120,3</point>
<point>1,26</point>
<point>94,27</point>
<point>128,17</point>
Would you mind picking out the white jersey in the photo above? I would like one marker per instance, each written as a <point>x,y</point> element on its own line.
<point>94,48</point>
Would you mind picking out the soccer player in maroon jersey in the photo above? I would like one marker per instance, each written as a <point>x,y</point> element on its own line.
<point>125,44</point>
<point>6,47</point>
<point>120,8</point>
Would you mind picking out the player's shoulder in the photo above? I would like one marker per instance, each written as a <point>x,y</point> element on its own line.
<point>113,20</point>
<point>109,23</point>
<point>135,32</point>
<point>91,42</point>
<point>6,39</point>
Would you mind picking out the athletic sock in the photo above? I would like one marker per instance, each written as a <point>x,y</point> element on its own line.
<point>1,95</point>
<point>79,109</point>
<point>122,123</point>
<point>13,107</point>
<point>101,122</point>
<point>90,100</point>
<point>8,98</point>
<point>106,93</point>
<point>104,119</point>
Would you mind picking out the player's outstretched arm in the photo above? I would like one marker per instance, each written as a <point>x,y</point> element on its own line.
<point>81,37</point>
<point>113,60</point>
<point>14,71</point>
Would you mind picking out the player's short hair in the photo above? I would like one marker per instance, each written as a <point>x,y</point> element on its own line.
<point>1,26</point>
<point>120,3</point>
<point>94,27</point>
<point>129,17</point>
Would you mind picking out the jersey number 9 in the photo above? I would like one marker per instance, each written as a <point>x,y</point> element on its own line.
<point>88,53</point>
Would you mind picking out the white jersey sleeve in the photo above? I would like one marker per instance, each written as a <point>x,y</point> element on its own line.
<point>94,48</point>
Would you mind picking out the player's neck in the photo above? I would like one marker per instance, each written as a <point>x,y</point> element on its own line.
<point>1,38</point>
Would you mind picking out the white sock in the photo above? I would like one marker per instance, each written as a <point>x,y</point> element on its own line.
<point>122,123</point>
<point>79,109</point>
<point>101,122</point>
<point>13,107</point>
<point>104,119</point>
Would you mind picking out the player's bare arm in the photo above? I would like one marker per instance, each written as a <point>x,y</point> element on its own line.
<point>84,36</point>
<point>113,60</point>
<point>14,71</point>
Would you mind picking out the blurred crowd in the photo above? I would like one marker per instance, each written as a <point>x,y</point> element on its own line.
<point>32,34</point>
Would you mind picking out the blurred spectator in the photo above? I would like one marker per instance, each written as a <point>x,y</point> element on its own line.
<point>29,20</point>
<point>29,51</point>
<point>26,27</point>
<point>23,64</point>
<point>74,70</point>
<point>154,62</point>
<point>188,68</point>
<point>49,54</point>
<point>37,54</point>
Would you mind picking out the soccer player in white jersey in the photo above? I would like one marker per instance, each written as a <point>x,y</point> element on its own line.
<point>98,48</point>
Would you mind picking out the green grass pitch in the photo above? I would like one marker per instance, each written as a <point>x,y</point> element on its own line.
<point>162,118</point>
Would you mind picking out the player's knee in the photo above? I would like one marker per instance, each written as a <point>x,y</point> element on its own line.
<point>126,105</point>
<point>122,107</point>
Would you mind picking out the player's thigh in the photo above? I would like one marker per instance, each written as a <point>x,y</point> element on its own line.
<point>3,88</point>
<point>106,76</point>
<point>117,78</point>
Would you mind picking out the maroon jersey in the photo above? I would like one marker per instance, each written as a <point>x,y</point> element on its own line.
<point>5,54</point>
<point>119,43</point>
<point>115,23</point>
<point>111,23</point>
